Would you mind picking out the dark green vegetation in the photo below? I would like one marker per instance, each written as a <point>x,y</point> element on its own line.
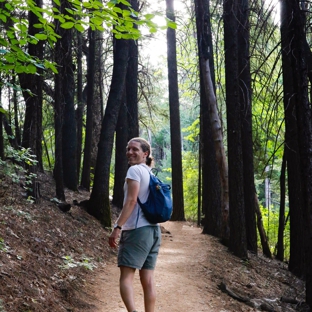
<point>229,117</point>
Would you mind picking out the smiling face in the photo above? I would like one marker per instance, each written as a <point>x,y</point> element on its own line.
<point>135,153</point>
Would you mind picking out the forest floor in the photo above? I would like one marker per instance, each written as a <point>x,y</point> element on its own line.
<point>56,261</point>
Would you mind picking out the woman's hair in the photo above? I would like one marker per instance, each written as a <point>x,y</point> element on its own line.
<point>146,147</point>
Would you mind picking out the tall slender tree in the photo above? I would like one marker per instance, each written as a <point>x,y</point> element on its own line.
<point>297,237</point>
<point>246,123</point>
<point>99,205</point>
<point>175,128</point>
<point>237,241</point>
<point>85,177</point>
<point>304,124</point>
<point>211,182</point>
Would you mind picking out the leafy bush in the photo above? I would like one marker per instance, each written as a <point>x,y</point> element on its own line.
<point>270,219</point>
<point>190,185</point>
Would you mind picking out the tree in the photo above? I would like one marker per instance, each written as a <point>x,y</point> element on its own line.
<point>98,204</point>
<point>85,177</point>
<point>175,128</point>
<point>69,129</point>
<point>237,241</point>
<point>246,124</point>
<point>304,117</point>
<point>297,237</point>
<point>211,175</point>
<point>128,121</point>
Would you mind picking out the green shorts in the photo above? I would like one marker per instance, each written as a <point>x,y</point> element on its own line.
<point>139,248</point>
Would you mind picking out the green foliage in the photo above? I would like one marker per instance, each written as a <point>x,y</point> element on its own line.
<point>15,169</point>
<point>270,219</point>
<point>190,185</point>
<point>70,263</point>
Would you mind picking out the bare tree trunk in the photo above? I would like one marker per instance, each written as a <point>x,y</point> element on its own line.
<point>211,182</point>
<point>246,122</point>
<point>99,205</point>
<point>238,239</point>
<point>264,241</point>
<point>175,127</point>
<point>85,177</point>
<point>281,224</point>
<point>297,237</point>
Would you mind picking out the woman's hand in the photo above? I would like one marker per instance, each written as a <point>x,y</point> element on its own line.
<point>113,238</point>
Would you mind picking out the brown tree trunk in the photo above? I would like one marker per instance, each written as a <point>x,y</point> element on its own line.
<point>121,163</point>
<point>281,224</point>
<point>80,103</point>
<point>297,237</point>
<point>264,241</point>
<point>304,124</point>
<point>99,205</point>
<point>175,128</point>
<point>237,240</point>
<point>85,177</point>
<point>211,182</point>
<point>246,122</point>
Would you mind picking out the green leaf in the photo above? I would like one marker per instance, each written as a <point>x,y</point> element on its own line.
<point>68,25</point>
<point>171,24</point>
<point>3,111</point>
<point>57,2</point>
<point>117,10</point>
<point>41,36</point>
<point>31,69</point>
<point>51,66</point>
<point>125,2</point>
<point>79,27</point>
<point>3,18</point>
<point>149,16</point>
<point>19,69</point>
<point>38,26</point>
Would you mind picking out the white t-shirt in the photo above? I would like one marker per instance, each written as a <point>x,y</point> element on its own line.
<point>140,174</point>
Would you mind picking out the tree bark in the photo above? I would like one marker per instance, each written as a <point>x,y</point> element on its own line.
<point>99,205</point>
<point>237,240</point>
<point>175,127</point>
<point>86,169</point>
<point>209,145</point>
<point>281,223</point>
<point>121,163</point>
<point>304,117</point>
<point>246,122</point>
<point>297,237</point>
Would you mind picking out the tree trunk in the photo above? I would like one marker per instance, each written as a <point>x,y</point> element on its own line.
<point>211,173</point>
<point>98,103</point>
<point>281,224</point>
<point>246,122</point>
<point>85,177</point>
<point>80,103</point>
<point>69,134</point>
<point>99,205</point>
<point>304,124</point>
<point>121,163</point>
<point>238,240</point>
<point>297,237</point>
<point>264,241</point>
<point>132,85</point>
<point>175,128</point>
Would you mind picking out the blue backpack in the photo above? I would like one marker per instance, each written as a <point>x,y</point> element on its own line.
<point>158,207</point>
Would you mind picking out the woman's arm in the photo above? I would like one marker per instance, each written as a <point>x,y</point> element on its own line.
<point>129,204</point>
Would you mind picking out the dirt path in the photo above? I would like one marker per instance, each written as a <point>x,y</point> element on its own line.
<point>181,276</point>
<point>189,270</point>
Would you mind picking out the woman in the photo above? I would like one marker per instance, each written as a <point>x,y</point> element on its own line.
<point>140,240</point>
